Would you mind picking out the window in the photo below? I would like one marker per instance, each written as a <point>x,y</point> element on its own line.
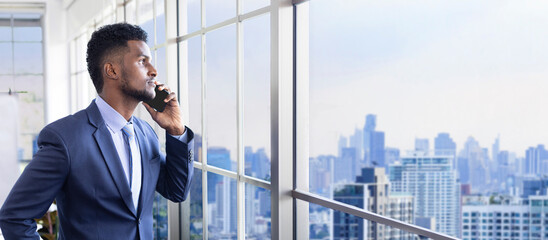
<point>22,73</point>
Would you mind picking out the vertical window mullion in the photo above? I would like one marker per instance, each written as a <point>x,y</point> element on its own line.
<point>240,117</point>
<point>205,219</point>
<point>301,115</point>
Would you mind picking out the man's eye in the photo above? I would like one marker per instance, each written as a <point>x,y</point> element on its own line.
<point>142,60</point>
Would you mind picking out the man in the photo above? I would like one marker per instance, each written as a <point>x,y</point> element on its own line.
<point>102,165</point>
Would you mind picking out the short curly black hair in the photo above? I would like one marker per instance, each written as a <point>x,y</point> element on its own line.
<point>109,39</point>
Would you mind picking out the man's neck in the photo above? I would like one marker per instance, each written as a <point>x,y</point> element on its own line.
<point>123,105</point>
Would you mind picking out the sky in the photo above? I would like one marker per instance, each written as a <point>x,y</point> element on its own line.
<point>468,68</point>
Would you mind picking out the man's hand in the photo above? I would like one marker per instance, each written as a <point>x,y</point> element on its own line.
<point>170,119</point>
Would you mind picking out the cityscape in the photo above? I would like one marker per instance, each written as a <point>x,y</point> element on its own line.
<point>471,192</point>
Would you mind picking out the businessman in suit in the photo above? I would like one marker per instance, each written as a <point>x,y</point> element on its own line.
<point>102,165</point>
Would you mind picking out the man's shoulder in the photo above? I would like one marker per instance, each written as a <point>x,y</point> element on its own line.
<point>69,123</point>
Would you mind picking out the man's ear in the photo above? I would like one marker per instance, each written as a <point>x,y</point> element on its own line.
<point>111,71</point>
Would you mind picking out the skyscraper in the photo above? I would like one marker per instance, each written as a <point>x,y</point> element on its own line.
<point>356,141</point>
<point>474,166</point>
<point>432,182</point>
<point>391,155</point>
<point>443,144</point>
<point>346,165</point>
<point>376,150</point>
<point>343,142</point>
<point>368,129</point>
<point>495,150</point>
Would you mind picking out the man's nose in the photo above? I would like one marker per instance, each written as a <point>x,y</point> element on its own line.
<point>152,71</point>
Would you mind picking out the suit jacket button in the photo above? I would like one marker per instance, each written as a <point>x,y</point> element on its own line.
<point>139,221</point>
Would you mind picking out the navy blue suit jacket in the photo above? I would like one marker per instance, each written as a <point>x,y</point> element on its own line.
<point>77,164</point>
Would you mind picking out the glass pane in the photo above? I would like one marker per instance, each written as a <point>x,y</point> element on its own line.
<point>130,14</point>
<point>221,205</point>
<point>81,49</point>
<point>257,212</point>
<point>5,33</point>
<point>32,84</point>
<point>31,113</point>
<point>251,5</point>
<point>194,66</point>
<point>6,54</point>
<point>191,19</point>
<point>146,22</point>
<point>160,22</point>
<point>196,203</point>
<point>217,11</point>
<point>428,73</point>
<point>221,97</point>
<point>256,81</point>
<point>159,214</point>
<point>28,58</point>
<point>160,65</point>
<point>27,34</point>
<point>6,82</point>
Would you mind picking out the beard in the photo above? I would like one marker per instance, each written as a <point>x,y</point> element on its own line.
<point>140,95</point>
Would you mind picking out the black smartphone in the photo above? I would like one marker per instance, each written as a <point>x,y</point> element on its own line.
<point>158,101</point>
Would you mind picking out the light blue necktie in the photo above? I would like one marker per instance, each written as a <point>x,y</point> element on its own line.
<point>128,132</point>
<point>134,163</point>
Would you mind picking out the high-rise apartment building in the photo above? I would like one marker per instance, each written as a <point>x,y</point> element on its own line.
<point>371,192</point>
<point>507,218</point>
<point>432,182</point>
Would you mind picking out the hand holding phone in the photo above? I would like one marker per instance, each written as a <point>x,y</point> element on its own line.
<point>158,101</point>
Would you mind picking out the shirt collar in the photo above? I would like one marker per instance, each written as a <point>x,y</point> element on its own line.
<point>114,120</point>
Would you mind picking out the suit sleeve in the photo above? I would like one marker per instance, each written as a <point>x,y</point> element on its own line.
<point>36,188</point>
<point>177,168</point>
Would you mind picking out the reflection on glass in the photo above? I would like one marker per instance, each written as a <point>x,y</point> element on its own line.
<point>217,11</point>
<point>221,204</point>
<point>256,34</point>
<point>257,212</point>
<point>196,203</point>
<point>221,97</point>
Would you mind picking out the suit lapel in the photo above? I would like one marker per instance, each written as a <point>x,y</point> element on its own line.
<point>110,155</point>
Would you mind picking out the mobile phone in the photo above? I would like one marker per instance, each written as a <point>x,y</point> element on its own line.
<point>158,101</point>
